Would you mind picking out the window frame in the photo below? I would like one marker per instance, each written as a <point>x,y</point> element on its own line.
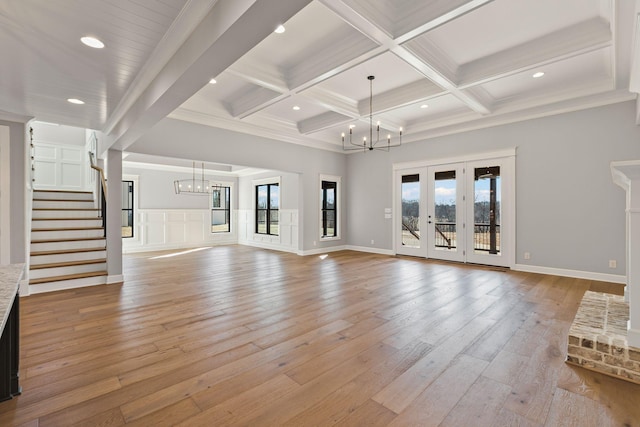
<point>228,209</point>
<point>338,206</point>
<point>271,182</point>
<point>131,209</point>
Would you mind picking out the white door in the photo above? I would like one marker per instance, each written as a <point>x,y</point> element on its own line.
<point>410,204</point>
<point>445,212</point>
<point>489,212</point>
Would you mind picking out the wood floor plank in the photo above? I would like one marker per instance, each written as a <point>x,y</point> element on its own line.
<point>402,392</point>
<point>437,400</point>
<point>234,335</point>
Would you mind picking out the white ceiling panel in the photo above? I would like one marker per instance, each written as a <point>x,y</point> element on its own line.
<point>595,69</point>
<point>505,24</point>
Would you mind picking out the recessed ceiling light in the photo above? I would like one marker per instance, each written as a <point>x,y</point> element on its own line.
<point>213,81</point>
<point>92,42</point>
<point>296,108</point>
<point>538,75</point>
<point>280,29</point>
<point>424,106</point>
<point>75,101</point>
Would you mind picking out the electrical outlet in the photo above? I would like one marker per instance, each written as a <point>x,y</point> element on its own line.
<point>613,263</point>
<point>314,243</point>
<point>527,255</point>
<point>373,242</point>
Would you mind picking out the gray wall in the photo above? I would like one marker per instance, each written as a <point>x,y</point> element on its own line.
<point>17,147</point>
<point>155,189</point>
<point>174,138</point>
<point>289,184</point>
<point>569,214</point>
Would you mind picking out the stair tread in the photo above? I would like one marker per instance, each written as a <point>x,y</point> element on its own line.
<point>67,251</point>
<point>67,229</point>
<point>62,191</point>
<point>67,240</point>
<point>67,277</point>
<point>68,263</point>
<point>63,200</point>
<point>66,209</point>
<point>79,218</point>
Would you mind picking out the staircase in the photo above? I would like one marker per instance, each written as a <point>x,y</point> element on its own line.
<point>68,247</point>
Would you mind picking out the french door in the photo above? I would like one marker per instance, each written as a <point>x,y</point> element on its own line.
<point>456,211</point>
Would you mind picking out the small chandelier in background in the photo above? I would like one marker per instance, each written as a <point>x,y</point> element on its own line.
<point>351,146</point>
<point>193,186</point>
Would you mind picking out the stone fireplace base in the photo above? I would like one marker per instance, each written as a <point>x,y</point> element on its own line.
<point>598,337</point>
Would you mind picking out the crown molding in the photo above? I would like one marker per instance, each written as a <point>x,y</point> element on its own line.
<point>276,130</point>
<point>467,122</point>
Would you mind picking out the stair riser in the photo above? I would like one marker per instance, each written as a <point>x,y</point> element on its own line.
<point>67,284</point>
<point>67,223</point>
<point>65,214</point>
<point>65,234</point>
<point>61,271</point>
<point>62,195</point>
<point>76,256</point>
<point>81,244</point>
<point>65,204</point>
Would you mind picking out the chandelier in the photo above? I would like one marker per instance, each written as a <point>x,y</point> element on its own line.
<point>370,144</point>
<point>193,186</point>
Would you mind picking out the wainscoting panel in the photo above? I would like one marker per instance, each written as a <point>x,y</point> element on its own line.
<point>286,241</point>
<point>162,229</point>
<point>62,167</point>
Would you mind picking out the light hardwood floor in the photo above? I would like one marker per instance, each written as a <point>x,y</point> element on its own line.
<point>241,336</point>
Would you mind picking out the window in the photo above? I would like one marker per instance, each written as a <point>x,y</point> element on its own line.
<point>221,210</point>
<point>127,208</point>
<point>267,205</point>
<point>329,213</point>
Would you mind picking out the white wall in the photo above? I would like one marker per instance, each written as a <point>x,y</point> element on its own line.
<point>165,220</point>
<point>569,214</point>
<point>59,134</point>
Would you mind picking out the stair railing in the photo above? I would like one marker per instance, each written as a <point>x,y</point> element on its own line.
<point>103,191</point>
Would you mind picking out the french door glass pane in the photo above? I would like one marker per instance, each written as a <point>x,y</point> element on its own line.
<point>411,210</point>
<point>445,236</point>
<point>486,210</point>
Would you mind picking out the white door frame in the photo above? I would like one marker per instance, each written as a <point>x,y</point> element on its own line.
<point>508,215</point>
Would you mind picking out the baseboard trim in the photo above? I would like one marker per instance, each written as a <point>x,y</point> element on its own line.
<point>601,277</point>
<point>370,250</point>
<point>262,245</point>
<point>115,278</point>
<point>171,247</point>
<point>321,251</point>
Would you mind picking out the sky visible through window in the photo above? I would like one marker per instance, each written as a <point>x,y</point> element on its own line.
<point>446,191</point>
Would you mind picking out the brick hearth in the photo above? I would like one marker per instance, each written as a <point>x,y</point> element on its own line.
<point>598,337</point>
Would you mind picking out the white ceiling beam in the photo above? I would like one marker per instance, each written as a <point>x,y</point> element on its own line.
<point>372,31</point>
<point>442,17</point>
<point>227,32</point>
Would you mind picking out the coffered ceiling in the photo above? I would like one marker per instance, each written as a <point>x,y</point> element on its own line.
<point>439,66</point>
